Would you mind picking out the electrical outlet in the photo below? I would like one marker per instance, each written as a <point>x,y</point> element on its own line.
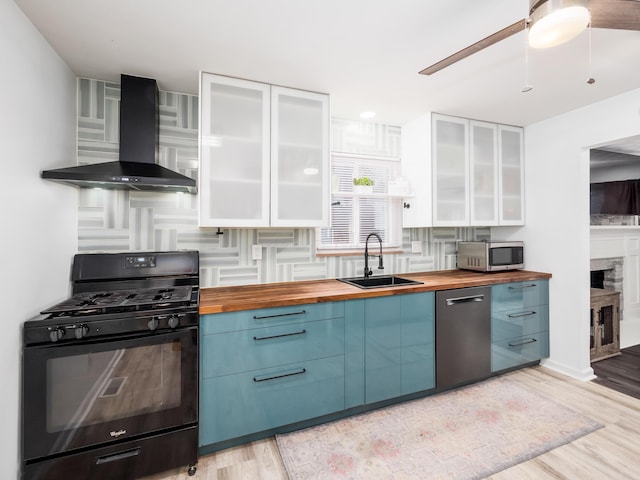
<point>416,246</point>
<point>256,252</point>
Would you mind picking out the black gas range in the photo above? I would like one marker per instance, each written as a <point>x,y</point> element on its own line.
<point>110,374</point>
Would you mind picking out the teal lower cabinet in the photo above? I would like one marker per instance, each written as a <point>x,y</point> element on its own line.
<point>247,350</point>
<point>354,353</point>
<point>236,405</point>
<point>399,345</point>
<point>519,351</point>
<point>263,369</point>
<point>519,324</point>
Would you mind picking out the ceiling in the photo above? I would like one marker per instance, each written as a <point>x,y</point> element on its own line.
<point>365,53</point>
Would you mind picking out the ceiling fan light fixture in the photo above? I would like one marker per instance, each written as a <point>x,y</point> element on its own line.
<point>555,22</point>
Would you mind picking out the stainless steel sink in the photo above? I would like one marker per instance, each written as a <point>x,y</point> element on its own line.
<point>379,282</point>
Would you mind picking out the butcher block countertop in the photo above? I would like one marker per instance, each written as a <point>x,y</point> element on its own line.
<point>249,297</point>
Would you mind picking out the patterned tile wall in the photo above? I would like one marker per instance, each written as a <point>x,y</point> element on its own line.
<point>115,221</point>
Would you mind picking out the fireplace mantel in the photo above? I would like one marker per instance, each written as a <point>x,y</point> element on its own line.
<point>611,242</point>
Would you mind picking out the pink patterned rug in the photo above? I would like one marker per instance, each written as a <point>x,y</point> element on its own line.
<point>468,433</point>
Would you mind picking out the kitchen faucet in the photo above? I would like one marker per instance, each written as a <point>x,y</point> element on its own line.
<point>367,270</point>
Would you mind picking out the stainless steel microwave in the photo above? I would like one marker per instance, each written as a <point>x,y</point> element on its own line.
<point>488,256</point>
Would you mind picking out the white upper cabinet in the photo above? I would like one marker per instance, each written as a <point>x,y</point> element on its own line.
<point>450,167</point>
<point>234,152</point>
<point>483,179</point>
<point>299,158</point>
<point>462,172</point>
<point>416,168</point>
<point>264,155</point>
<point>511,148</point>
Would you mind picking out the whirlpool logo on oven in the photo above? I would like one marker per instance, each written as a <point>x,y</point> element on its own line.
<point>117,433</point>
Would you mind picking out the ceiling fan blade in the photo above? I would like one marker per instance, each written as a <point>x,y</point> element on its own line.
<point>476,47</point>
<point>619,14</point>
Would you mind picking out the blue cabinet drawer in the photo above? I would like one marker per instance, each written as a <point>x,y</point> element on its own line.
<point>518,323</point>
<point>245,350</point>
<point>519,295</point>
<point>518,351</point>
<point>235,405</point>
<point>245,319</point>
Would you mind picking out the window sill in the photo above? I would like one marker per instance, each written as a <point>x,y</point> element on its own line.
<point>357,252</point>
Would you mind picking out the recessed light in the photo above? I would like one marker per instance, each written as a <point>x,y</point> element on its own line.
<point>367,114</point>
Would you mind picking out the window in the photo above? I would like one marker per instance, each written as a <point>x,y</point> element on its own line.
<point>356,215</point>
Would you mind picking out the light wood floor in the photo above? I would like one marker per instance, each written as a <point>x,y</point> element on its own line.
<point>612,452</point>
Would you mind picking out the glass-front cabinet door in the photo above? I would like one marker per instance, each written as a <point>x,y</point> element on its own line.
<point>483,144</point>
<point>299,158</point>
<point>511,148</point>
<point>450,171</point>
<point>234,152</point>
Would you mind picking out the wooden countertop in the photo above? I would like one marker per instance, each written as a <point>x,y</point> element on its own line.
<point>249,297</point>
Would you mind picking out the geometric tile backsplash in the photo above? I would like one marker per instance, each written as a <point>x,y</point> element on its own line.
<point>120,220</point>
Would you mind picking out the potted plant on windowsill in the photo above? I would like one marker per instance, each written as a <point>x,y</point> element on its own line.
<point>362,185</point>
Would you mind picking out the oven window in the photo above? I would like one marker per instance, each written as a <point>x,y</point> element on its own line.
<point>97,387</point>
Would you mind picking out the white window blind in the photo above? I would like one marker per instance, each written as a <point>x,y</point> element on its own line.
<point>356,215</point>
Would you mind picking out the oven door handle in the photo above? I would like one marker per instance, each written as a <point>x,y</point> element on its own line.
<point>118,456</point>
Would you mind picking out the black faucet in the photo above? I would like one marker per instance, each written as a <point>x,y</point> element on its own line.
<point>367,270</point>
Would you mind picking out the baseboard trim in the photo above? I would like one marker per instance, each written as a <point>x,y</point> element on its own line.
<point>585,375</point>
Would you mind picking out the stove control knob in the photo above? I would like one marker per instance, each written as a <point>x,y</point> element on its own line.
<point>81,331</point>
<point>153,323</point>
<point>56,333</point>
<point>173,321</point>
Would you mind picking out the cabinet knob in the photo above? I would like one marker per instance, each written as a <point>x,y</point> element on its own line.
<point>406,205</point>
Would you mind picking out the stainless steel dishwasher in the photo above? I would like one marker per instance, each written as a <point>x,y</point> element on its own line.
<point>463,335</point>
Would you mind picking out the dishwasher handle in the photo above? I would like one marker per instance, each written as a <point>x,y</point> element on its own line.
<point>459,300</point>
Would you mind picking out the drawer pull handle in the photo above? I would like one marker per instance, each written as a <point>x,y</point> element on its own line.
<point>472,298</point>
<point>299,372</point>
<point>531,340</point>
<point>301,332</point>
<point>530,285</point>
<point>258,317</point>
<point>523,314</point>
<point>118,456</point>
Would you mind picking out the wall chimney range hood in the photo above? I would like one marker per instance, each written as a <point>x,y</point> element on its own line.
<point>137,168</point>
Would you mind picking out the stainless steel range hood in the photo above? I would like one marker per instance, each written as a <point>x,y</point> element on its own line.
<point>137,168</point>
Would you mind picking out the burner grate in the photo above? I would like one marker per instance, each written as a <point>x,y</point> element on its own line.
<point>90,303</point>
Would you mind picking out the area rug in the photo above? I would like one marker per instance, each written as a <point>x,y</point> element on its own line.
<point>468,433</point>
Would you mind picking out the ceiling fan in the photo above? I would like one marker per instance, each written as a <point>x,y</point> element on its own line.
<point>617,14</point>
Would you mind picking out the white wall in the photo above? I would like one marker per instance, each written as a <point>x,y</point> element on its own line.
<point>39,232</point>
<point>557,231</point>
